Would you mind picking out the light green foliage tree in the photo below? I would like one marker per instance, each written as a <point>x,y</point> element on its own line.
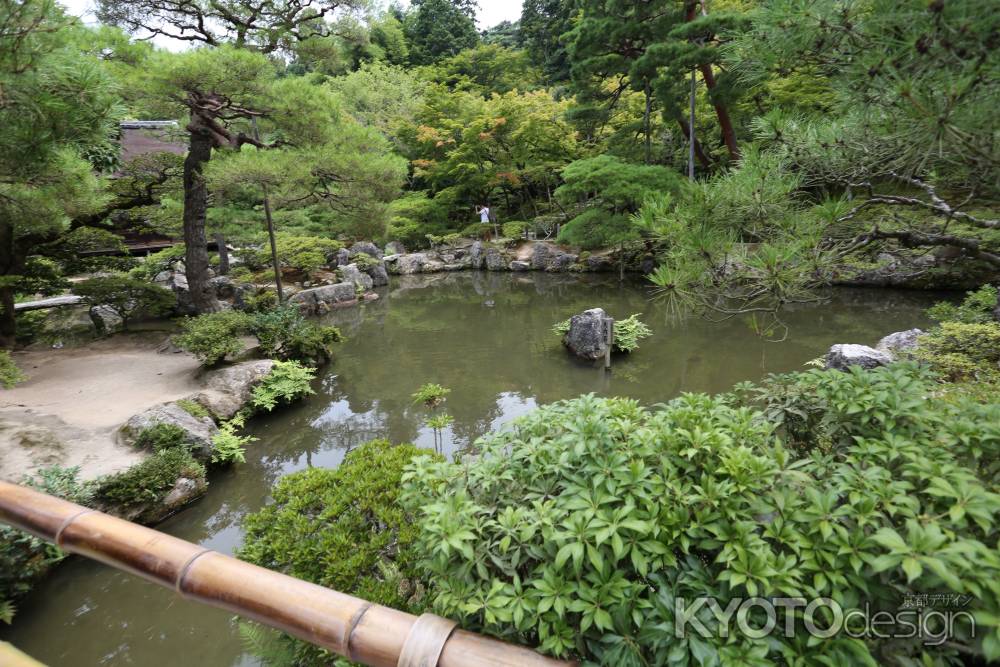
<point>504,151</point>
<point>486,69</point>
<point>380,96</point>
<point>578,527</point>
<point>342,528</point>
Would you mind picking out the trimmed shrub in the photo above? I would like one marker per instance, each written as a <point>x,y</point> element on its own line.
<point>297,253</point>
<point>285,333</point>
<point>580,526</point>
<point>343,529</point>
<point>213,337</point>
<point>962,351</point>
<point>597,228</point>
<point>158,262</point>
<point>976,308</point>
<point>126,296</point>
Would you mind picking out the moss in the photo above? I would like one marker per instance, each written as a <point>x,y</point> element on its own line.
<point>194,408</point>
<point>149,482</point>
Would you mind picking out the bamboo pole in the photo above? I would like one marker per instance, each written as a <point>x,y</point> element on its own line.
<point>348,626</point>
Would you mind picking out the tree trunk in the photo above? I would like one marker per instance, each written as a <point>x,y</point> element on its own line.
<point>647,123</point>
<point>698,150</point>
<point>220,242</point>
<point>8,267</point>
<point>195,208</point>
<point>996,311</point>
<point>722,113</point>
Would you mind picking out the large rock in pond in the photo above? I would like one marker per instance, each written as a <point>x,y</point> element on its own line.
<point>378,274</point>
<point>319,300</point>
<point>477,257</point>
<point>352,274</point>
<point>586,336</point>
<point>410,264</point>
<point>519,266</point>
<point>842,357</point>
<point>366,248</point>
<point>546,257</point>
<point>900,344</point>
<point>229,389</point>
<point>199,430</point>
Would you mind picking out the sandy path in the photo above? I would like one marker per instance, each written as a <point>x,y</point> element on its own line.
<point>74,400</point>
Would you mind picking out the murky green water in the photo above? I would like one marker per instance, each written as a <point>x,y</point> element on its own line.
<point>487,336</point>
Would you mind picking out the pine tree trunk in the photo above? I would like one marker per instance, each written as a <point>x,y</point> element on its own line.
<point>8,266</point>
<point>996,311</point>
<point>698,150</point>
<point>722,113</point>
<point>195,208</point>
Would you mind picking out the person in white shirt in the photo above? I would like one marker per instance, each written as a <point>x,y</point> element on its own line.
<point>484,214</point>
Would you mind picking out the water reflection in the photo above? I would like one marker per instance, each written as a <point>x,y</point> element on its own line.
<point>485,335</point>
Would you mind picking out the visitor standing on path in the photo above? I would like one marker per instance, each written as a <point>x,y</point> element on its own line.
<point>484,217</point>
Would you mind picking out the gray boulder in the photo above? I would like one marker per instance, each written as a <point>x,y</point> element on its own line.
<point>350,273</point>
<point>366,248</point>
<point>520,266</point>
<point>340,258</point>
<point>395,248</point>
<point>224,287</point>
<point>901,343</point>
<point>199,430</point>
<point>378,274</point>
<point>495,260</point>
<point>106,321</point>
<point>586,336</point>
<point>319,300</point>
<point>177,282</point>
<point>476,255</point>
<point>410,264</point>
<point>842,357</point>
<point>229,389</point>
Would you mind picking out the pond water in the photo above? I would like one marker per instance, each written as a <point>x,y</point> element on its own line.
<point>485,335</point>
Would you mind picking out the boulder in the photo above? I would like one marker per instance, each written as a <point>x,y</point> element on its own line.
<point>340,258</point>
<point>842,357</point>
<point>395,248</point>
<point>177,282</point>
<point>185,490</point>
<point>410,264</point>
<point>224,287</point>
<point>495,260</point>
<point>599,263</point>
<point>519,266</point>
<point>366,248</point>
<point>378,274</point>
<point>229,389</point>
<point>106,321</point>
<point>586,336</point>
<point>350,273</point>
<point>199,430</point>
<point>476,255</point>
<point>901,343</point>
<point>319,300</point>
<point>62,326</point>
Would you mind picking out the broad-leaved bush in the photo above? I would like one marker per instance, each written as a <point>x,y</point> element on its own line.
<point>579,527</point>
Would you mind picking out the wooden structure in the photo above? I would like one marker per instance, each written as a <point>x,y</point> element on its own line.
<point>358,630</point>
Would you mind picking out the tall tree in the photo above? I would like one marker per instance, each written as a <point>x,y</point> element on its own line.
<point>216,90</point>
<point>437,29</point>
<point>55,106</point>
<point>542,28</point>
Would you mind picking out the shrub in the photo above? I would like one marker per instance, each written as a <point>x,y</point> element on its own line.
<point>298,253</point>
<point>213,337</point>
<point>74,251</point>
<point>288,381</point>
<point>285,334</point>
<point>976,308</point>
<point>477,230</point>
<point>364,261</point>
<point>961,351</point>
<point>149,481</point>
<point>344,529</point>
<point>597,228</point>
<point>127,297</point>
<point>228,446</point>
<point>10,374</point>
<point>158,262</point>
<point>24,559</point>
<point>579,526</point>
<point>159,437</point>
<point>628,332</point>
<point>513,230</point>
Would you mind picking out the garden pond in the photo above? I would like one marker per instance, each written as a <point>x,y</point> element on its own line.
<point>488,337</point>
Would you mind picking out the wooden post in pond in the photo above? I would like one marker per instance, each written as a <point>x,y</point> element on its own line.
<point>609,339</point>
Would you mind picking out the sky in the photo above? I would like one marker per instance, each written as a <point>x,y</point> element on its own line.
<point>491,12</point>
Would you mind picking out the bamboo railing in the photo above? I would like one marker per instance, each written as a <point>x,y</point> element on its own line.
<point>358,630</point>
